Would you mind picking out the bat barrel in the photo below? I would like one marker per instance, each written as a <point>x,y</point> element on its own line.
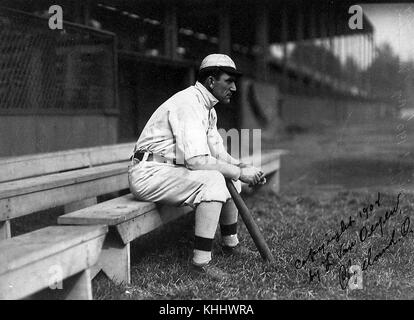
<point>250,223</point>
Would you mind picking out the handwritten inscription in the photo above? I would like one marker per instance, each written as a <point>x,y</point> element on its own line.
<point>334,249</point>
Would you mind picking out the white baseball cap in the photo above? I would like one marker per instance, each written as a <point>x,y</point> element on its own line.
<point>222,61</point>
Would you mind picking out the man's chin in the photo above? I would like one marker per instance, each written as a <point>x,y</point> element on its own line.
<point>226,101</point>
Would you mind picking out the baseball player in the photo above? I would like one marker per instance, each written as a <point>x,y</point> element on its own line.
<point>179,159</point>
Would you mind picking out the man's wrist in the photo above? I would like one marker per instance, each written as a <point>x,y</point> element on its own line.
<point>239,173</point>
<point>242,165</point>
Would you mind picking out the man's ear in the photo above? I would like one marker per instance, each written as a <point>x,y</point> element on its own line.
<point>210,82</point>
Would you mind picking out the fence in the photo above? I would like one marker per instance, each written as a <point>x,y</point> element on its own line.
<point>54,70</point>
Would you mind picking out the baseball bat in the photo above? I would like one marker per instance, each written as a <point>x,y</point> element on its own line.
<point>251,225</point>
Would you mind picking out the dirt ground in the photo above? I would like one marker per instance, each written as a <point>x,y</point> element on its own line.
<point>368,156</point>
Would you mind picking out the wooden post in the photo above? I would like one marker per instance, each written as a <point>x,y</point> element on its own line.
<point>262,40</point>
<point>312,33</point>
<point>77,11</point>
<point>79,286</point>
<point>372,57</point>
<point>170,31</point>
<point>299,42</point>
<point>5,231</point>
<point>224,29</point>
<point>86,12</point>
<point>354,54</point>
<point>341,58</point>
<point>343,53</point>
<point>332,48</point>
<point>323,33</point>
<point>190,78</point>
<point>367,57</point>
<point>284,36</point>
<point>361,60</point>
<point>373,48</point>
<point>114,260</point>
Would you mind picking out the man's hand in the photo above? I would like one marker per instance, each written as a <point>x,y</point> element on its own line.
<point>251,175</point>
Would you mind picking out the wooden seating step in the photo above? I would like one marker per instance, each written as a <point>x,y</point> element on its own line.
<point>21,167</point>
<point>70,178</point>
<point>128,219</point>
<point>23,197</point>
<point>36,260</point>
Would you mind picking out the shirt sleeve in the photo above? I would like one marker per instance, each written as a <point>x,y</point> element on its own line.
<point>215,142</point>
<point>189,133</point>
<point>216,145</point>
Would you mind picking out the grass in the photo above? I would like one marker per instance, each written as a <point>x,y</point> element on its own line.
<point>326,178</point>
<point>290,225</point>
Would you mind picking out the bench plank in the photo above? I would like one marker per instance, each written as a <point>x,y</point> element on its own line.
<point>13,188</point>
<point>18,251</point>
<point>14,168</point>
<point>34,261</point>
<point>150,221</point>
<point>32,202</point>
<point>110,212</point>
<point>40,274</point>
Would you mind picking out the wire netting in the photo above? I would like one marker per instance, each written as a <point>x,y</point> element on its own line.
<point>41,68</point>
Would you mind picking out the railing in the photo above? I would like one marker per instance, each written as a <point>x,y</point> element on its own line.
<point>44,70</point>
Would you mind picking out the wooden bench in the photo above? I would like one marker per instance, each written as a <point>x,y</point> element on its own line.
<point>58,257</point>
<point>128,219</point>
<point>72,178</point>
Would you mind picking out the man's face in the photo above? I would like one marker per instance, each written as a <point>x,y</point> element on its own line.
<point>223,87</point>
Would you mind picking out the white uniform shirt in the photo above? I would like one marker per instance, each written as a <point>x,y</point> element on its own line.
<point>183,127</point>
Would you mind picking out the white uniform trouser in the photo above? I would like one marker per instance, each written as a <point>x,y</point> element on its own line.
<point>177,185</point>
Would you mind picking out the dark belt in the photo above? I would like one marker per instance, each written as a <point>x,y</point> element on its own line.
<point>140,155</point>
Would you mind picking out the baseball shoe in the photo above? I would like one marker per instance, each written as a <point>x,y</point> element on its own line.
<point>239,250</point>
<point>209,270</point>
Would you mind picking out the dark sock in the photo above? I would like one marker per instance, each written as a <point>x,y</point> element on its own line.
<point>228,229</point>
<point>203,244</point>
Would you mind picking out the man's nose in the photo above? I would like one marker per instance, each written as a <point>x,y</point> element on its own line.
<point>233,87</point>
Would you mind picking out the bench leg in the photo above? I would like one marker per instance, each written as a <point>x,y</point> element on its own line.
<point>80,205</point>
<point>76,287</point>
<point>79,286</point>
<point>5,231</point>
<point>114,261</point>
